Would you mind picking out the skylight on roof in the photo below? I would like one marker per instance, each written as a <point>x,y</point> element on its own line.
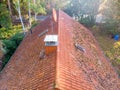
<point>51,40</point>
<point>80,47</point>
<point>44,32</point>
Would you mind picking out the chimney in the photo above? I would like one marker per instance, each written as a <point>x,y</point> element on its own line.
<point>51,42</point>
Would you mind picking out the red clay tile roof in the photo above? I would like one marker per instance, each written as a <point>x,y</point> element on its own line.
<point>66,69</point>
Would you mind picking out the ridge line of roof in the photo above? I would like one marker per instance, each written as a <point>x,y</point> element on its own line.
<point>57,60</point>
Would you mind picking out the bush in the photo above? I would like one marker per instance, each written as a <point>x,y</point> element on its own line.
<point>111,27</point>
<point>88,21</point>
<point>114,54</point>
<point>34,24</point>
<point>9,46</point>
<point>6,33</point>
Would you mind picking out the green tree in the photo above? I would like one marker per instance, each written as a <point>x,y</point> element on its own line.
<point>83,7</point>
<point>84,10</point>
<point>6,33</point>
<point>9,6</point>
<point>10,45</point>
<point>38,7</point>
<point>5,20</point>
<point>112,16</point>
<point>29,11</point>
<point>17,6</point>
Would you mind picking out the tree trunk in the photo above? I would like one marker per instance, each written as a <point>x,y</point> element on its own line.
<point>9,6</point>
<point>29,13</point>
<point>35,12</point>
<point>19,12</point>
<point>35,16</point>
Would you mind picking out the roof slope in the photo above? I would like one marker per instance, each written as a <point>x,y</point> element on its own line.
<point>25,70</point>
<point>77,70</point>
<point>66,69</point>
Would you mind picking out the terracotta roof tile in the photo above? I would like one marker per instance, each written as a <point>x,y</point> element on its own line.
<point>66,69</point>
<point>26,70</point>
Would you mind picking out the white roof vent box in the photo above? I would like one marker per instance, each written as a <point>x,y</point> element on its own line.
<point>51,40</point>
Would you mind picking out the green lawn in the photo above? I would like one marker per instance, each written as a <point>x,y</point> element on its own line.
<point>107,43</point>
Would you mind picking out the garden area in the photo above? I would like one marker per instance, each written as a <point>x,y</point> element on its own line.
<point>110,47</point>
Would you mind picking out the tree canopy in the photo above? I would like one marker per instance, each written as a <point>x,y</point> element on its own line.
<point>5,20</point>
<point>84,10</point>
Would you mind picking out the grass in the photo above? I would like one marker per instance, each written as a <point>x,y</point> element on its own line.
<point>104,40</point>
<point>107,43</point>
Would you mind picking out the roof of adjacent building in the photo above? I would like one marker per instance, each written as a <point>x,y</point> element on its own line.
<point>68,68</point>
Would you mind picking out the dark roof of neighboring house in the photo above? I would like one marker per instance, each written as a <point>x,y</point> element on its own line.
<point>41,17</point>
<point>69,68</point>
